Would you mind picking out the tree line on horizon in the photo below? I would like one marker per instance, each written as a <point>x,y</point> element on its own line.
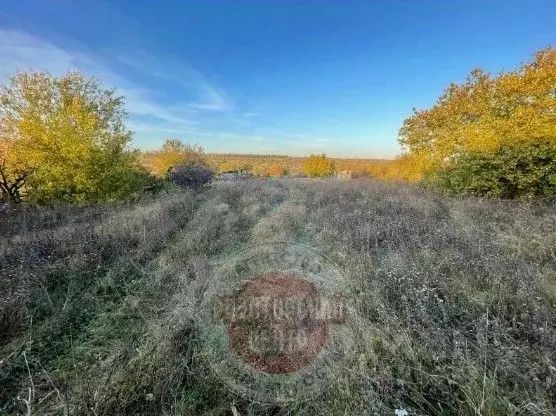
<point>64,138</point>
<point>160,160</point>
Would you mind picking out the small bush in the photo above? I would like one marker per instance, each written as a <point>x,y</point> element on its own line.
<point>192,175</point>
<point>318,166</point>
<point>522,172</point>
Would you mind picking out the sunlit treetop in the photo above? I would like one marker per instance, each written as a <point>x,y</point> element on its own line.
<point>487,111</point>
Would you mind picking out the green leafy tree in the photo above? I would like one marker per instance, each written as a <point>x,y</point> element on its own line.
<point>67,137</point>
<point>523,171</point>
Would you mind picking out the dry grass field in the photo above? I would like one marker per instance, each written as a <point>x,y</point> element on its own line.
<point>459,297</point>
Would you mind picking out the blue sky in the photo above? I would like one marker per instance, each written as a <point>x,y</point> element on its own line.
<point>282,76</point>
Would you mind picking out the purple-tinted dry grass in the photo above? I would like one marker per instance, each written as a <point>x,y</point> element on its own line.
<point>459,297</point>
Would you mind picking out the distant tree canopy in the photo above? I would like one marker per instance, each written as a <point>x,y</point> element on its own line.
<point>64,138</point>
<point>485,113</point>
<point>174,152</point>
<point>318,165</point>
<point>276,171</point>
<point>405,167</point>
<point>229,166</point>
<point>175,146</point>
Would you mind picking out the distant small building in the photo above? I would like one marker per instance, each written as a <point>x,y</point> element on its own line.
<point>344,175</point>
<point>233,175</point>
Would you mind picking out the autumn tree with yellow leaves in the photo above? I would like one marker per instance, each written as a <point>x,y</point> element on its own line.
<point>318,165</point>
<point>485,113</point>
<point>405,167</point>
<point>13,172</point>
<point>173,153</point>
<point>64,138</point>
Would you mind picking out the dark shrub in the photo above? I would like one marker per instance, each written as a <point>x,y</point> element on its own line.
<point>524,171</point>
<point>191,175</point>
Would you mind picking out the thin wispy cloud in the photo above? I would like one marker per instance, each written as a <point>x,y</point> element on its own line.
<point>180,74</point>
<point>165,95</point>
<point>140,127</point>
<point>148,112</point>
